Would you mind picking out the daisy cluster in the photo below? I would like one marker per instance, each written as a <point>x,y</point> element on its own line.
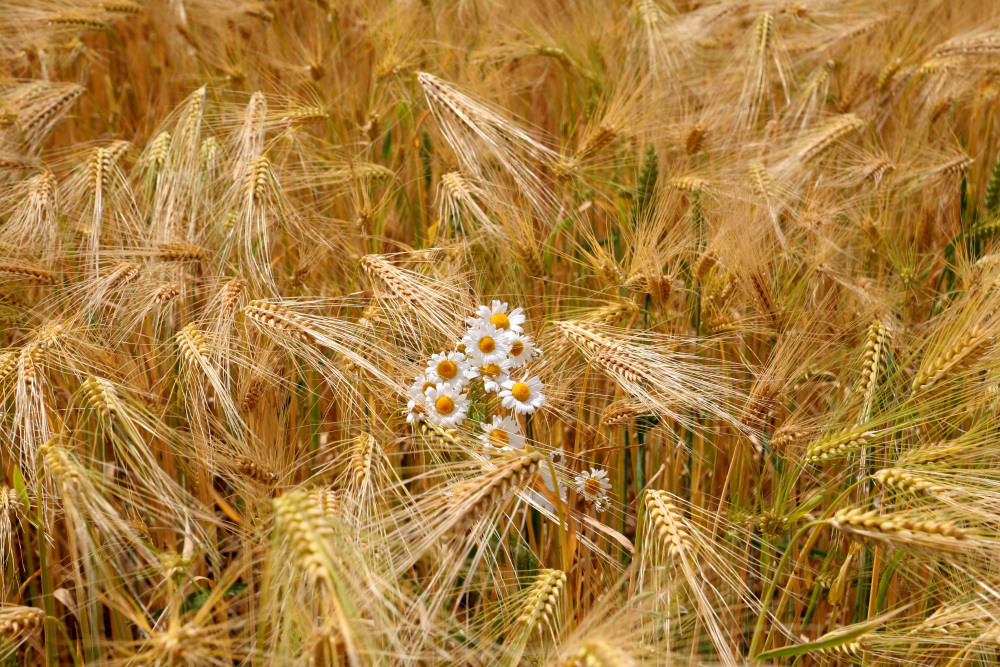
<point>494,352</point>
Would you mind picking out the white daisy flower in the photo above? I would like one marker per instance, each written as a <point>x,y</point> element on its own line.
<point>495,384</point>
<point>450,368</point>
<point>522,349</point>
<point>416,411</point>
<point>420,386</point>
<point>523,396</point>
<point>503,433</point>
<point>493,375</point>
<point>497,315</point>
<point>416,407</point>
<point>485,344</point>
<point>446,405</point>
<point>594,486</point>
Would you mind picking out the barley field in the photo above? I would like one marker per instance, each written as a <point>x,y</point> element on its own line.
<point>576,333</point>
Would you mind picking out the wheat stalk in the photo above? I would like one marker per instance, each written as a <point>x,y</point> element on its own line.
<point>28,273</point>
<point>907,482</point>
<point>900,529</point>
<point>838,445</point>
<point>251,469</point>
<point>962,352</point>
<point>281,321</point>
<point>872,363</point>
<point>600,653</point>
<point>17,623</point>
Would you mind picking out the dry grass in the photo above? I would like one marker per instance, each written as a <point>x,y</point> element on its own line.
<point>506,332</point>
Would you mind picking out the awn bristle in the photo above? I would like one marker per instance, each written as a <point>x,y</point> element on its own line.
<point>499,333</point>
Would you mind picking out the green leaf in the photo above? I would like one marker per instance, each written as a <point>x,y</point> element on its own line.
<point>992,200</point>
<point>387,147</point>
<point>195,600</point>
<point>842,636</point>
<point>21,488</point>
<point>646,184</point>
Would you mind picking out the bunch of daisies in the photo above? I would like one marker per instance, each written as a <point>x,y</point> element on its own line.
<point>495,352</point>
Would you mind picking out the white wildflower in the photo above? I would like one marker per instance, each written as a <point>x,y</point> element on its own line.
<point>523,396</point>
<point>503,433</point>
<point>522,349</point>
<point>496,314</point>
<point>493,375</point>
<point>594,486</point>
<point>450,368</point>
<point>485,344</point>
<point>446,405</point>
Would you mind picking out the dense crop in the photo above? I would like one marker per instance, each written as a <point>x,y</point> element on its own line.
<point>499,332</point>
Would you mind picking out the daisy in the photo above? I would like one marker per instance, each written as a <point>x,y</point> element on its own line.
<point>420,386</point>
<point>485,344</point>
<point>450,368</point>
<point>497,315</point>
<point>416,411</point>
<point>493,375</point>
<point>416,407</point>
<point>594,486</point>
<point>494,384</point>
<point>524,396</point>
<point>502,433</point>
<point>446,405</point>
<point>522,349</point>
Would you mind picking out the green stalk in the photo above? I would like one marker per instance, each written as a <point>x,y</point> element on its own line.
<point>48,600</point>
<point>772,586</point>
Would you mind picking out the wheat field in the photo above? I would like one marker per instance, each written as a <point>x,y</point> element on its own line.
<point>577,333</point>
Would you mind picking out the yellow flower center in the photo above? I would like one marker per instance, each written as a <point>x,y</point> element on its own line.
<point>447,369</point>
<point>461,348</point>
<point>520,391</point>
<point>499,436</point>
<point>487,345</point>
<point>592,486</point>
<point>516,348</point>
<point>427,385</point>
<point>490,369</point>
<point>444,405</point>
<point>500,321</point>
